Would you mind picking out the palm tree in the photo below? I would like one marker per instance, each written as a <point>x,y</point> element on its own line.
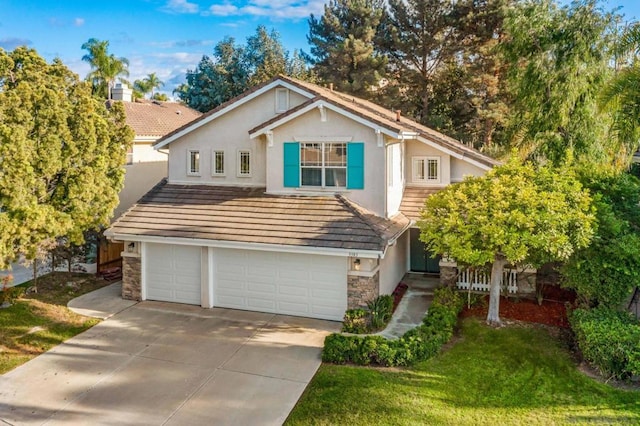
<point>621,95</point>
<point>105,67</point>
<point>153,82</point>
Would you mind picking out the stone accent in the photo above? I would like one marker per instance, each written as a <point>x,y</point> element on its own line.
<point>526,282</point>
<point>448,275</point>
<point>361,290</point>
<point>131,278</point>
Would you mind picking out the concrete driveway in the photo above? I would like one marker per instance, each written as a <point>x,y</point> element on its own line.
<point>160,363</point>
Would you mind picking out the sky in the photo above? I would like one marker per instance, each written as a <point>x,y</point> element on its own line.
<point>167,37</point>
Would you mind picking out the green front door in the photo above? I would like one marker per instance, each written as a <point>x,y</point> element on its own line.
<point>420,259</point>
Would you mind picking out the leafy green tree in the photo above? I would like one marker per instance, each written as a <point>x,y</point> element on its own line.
<point>343,45</point>
<point>516,213</point>
<point>558,61</point>
<point>265,56</point>
<point>605,272</point>
<point>160,97</point>
<point>153,82</point>
<point>105,67</point>
<point>140,89</point>
<point>61,154</point>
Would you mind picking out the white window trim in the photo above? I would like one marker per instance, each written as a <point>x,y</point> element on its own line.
<point>414,175</point>
<point>213,163</point>
<point>239,161</point>
<point>390,167</point>
<point>189,172</point>
<point>278,91</point>
<point>323,166</point>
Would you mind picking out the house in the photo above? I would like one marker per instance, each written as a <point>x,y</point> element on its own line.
<point>290,198</point>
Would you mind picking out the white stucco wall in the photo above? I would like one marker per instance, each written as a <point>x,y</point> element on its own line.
<point>395,177</point>
<point>461,168</point>
<point>415,148</point>
<point>229,133</point>
<point>394,265</point>
<point>139,178</point>
<point>309,125</point>
<point>143,152</point>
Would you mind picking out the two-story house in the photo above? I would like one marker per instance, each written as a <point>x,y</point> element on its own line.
<point>290,198</point>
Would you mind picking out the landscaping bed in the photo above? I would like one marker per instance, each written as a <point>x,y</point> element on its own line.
<point>39,321</point>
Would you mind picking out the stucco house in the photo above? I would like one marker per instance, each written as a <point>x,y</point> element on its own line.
<point>291,198</point>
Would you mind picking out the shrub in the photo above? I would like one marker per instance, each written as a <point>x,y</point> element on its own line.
<point>355,321</point>
<point>415,345</point>
<point>380,310</point>
<point>608,339</point>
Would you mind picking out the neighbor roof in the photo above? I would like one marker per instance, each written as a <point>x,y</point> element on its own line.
<point>248,215</point>
<point>155,118</point>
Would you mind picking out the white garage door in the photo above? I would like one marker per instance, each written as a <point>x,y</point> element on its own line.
<point>284,283</point>
<point>173,273</point>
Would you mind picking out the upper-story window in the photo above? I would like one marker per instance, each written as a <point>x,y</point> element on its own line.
<point>426,169</point>
<point>323,164</point>
<point>193,162</point>
<point>282,100</point>
<point>244,163</point>
<point>217,168</point>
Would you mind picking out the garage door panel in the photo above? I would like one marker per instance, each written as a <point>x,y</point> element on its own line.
<point>173,273</point>
<point>291,290</point>
<point>265,305</point>
<point>267,288</point>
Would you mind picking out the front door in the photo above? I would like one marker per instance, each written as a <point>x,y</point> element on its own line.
<point>422,260</point>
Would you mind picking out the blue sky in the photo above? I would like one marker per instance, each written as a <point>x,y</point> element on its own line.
<point>163,36</point>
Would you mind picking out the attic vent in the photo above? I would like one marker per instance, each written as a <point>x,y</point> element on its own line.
<point>397,115</point>
<point>179,112</point>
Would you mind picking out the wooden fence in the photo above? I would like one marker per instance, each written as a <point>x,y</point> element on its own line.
<point>479,280</point>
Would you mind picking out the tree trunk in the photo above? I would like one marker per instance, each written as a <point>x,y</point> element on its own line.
<point>493,316</point>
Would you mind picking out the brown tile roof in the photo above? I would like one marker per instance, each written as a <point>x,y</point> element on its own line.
<point>154,118</point>
<point>413,201</point>
<point>251,216</point>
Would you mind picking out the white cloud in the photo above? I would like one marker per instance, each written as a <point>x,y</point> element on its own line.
<point>278,9</point>
<point>223,10</point>
<point>78,22</point>
<point>181,43</point>
<point>180,6</point>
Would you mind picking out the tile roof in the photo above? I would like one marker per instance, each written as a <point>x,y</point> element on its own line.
<point>155,118</point>
<point>249,215</point>
<point>413,201</point>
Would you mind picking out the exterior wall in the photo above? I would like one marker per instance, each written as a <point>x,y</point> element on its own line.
<point>395,177</point>
<point>143,152</point>
<point>461,168</point>
<point>229,133</point>
<point>131,278</point>
<point>361,290</point>
<point>309,125</point>
<point>394,265</point>
<point>139,178</point>
<point>415,148</point>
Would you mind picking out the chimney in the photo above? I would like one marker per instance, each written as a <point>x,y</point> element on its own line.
<point>398,115</point>
<point>331,86</point>
<point>121,92</point>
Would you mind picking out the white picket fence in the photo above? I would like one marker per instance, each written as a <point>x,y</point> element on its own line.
<point>481,281</point>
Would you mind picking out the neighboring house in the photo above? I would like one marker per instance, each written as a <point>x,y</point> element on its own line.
<point>290,198</point>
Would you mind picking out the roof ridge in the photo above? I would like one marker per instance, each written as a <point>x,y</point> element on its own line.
<point>358,210</point>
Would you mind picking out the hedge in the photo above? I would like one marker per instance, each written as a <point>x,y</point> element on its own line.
<point>609,340</point>
<point>418,344</point>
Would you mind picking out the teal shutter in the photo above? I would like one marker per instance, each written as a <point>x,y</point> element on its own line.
<point>355,165</point>
<point>291,164</point>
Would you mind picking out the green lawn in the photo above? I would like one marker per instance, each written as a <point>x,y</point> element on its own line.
<point>513,375</point>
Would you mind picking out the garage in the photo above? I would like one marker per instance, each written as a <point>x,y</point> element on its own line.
<point>173,273</point>
<point>284,283</point>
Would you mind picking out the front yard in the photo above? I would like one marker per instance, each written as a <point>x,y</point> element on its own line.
<point>515,375</point>
<point>38,322</point>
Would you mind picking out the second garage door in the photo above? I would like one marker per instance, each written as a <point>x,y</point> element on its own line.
<point>285,283</point>
<point>173,273</point>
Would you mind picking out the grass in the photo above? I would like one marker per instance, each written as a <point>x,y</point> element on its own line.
<point>508,376</point>
<point>38,322</point>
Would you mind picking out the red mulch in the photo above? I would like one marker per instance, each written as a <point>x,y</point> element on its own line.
<point>552,311</point>
<point>397,294</point>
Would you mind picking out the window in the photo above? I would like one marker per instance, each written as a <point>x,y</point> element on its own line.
<point>282,100</point>
<point>426,169</point>
<point>323,164</point>
<point>217,168</point>
<point>244,163</point>
<point>193,162</point>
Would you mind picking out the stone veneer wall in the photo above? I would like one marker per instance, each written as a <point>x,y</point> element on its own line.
<point>131,278</point>
<point>361,290</point>
<point>448,275</point>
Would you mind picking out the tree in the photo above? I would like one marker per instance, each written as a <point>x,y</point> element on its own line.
<point>153,82</point>
<point>61,154</point>
<point>343,45</point>
<point>516,213</point>
<point>140,89</point>
<point>558,61</point>
<point>105,67</point>
<point>265,56</point>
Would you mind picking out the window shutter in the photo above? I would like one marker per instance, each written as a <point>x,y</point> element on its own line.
<point>291,164</point>
<point>355,165</point>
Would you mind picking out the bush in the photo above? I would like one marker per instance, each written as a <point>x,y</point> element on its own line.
<point>355,321</point>
<point>418,344</point>
<point>608,339</point>
<point>380,310</point>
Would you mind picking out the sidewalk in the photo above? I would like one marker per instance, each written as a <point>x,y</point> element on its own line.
<point>413,306</point>
<point>102,303</point>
